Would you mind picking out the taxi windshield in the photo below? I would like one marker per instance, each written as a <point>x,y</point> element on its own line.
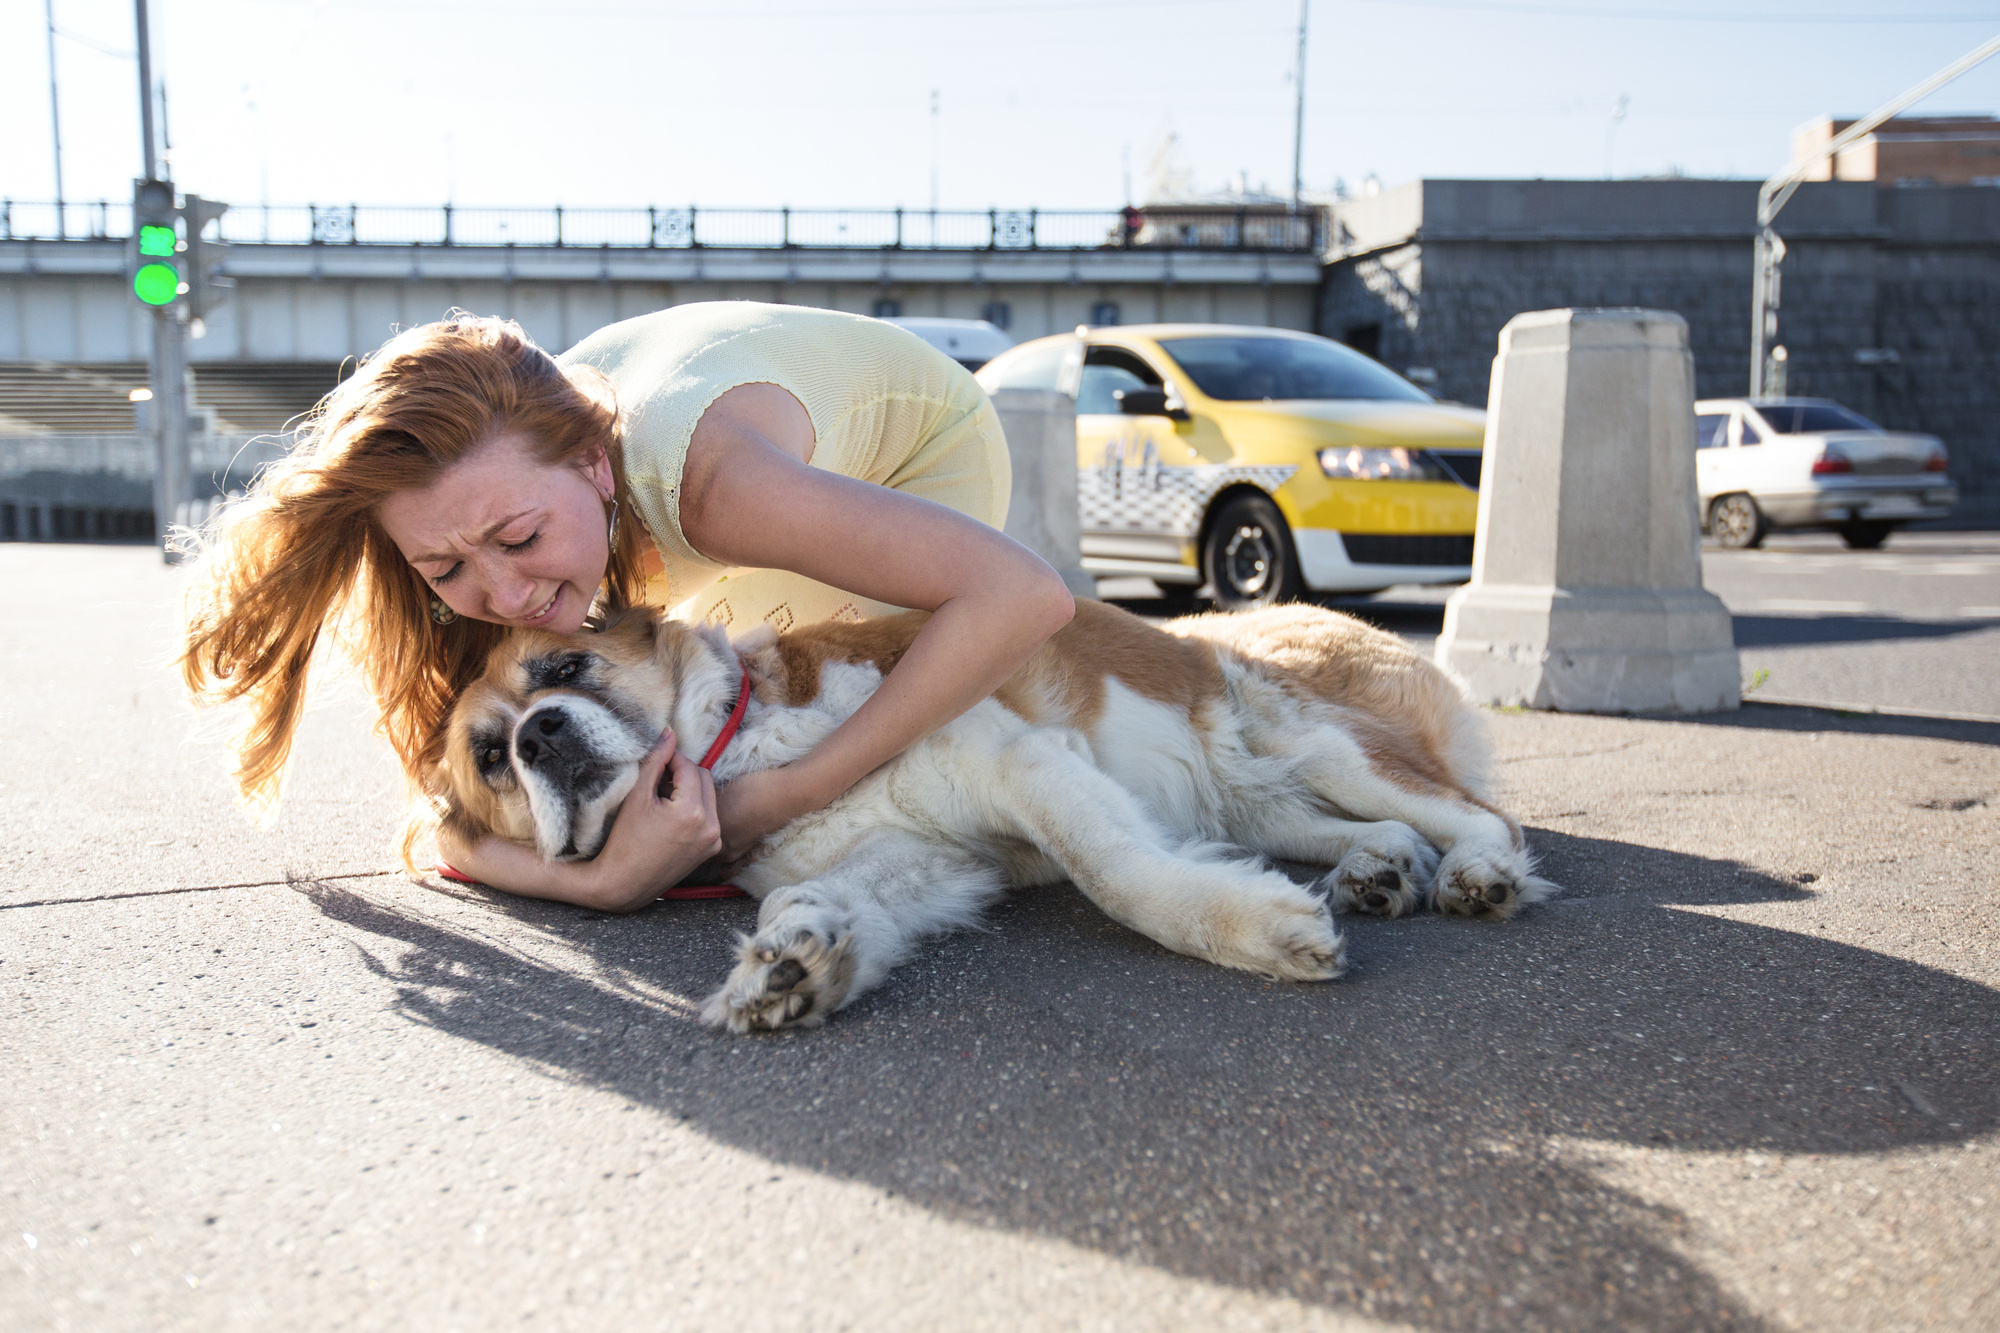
<point>1246,369</point>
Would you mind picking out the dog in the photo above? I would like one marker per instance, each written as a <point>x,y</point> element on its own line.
<point>1154,766</point>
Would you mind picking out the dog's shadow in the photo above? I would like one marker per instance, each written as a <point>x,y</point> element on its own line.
<point>1370,1145</point>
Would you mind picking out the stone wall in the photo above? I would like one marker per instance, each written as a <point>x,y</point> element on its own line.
<point>1912,273</point>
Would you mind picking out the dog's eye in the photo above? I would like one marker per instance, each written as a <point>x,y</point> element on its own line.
<point>568,669</point>
<point>491,756</point>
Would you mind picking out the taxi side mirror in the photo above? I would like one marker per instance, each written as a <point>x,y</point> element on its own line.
<point>1146,402</point>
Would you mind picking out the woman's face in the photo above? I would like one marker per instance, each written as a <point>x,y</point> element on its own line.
<point>505,537</point>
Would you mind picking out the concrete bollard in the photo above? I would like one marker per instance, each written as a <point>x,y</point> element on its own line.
<point>1040,426</point>
<point>1586,591</point>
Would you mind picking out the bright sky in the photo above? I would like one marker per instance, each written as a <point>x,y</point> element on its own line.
<point>766,102</point>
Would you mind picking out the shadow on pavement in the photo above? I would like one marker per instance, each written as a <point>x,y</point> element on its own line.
<point>1373,1145</point>
<point>1804,717</point>
<point>1799,631</point>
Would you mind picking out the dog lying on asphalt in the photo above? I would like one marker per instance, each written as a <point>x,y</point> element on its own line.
<point>1153,766</point>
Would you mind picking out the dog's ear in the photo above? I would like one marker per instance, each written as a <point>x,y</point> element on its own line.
<point>642,622</point>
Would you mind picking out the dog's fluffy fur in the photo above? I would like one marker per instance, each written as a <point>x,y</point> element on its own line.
<point>1152,766</point>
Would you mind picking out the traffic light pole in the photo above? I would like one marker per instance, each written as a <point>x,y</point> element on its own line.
<point>166,368</point>
<point>167,418</point>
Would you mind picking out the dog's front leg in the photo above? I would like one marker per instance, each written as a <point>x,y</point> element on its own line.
<point>822,943</point>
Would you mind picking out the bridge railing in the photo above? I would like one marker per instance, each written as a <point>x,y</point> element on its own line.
<point>1169,226</point>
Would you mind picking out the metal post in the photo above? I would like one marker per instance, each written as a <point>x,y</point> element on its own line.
<point>1299,116</point>
<point>55,115</point>
<point>785,233</point>
<point>149,155</point>
<point>167,413</point>
<point>559,226</point>
<point>899,226</point>
<point>447,224</point>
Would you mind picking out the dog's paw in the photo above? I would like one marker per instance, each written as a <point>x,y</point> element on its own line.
<point>1493,882</point>
<point>1382,875</point>
<point>1292,941</point>
<point>784,978</point>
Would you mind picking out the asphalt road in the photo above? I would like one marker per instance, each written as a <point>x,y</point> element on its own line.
<point>1742,1075</point>
<point>1914,626</point>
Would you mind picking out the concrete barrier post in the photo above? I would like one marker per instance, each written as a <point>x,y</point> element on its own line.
<point>1040,426</point>
<point>1586,591</point>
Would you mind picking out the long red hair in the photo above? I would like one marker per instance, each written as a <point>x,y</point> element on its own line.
<point>303,556</point>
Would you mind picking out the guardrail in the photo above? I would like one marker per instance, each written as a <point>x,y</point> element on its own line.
<point>1180,227</point>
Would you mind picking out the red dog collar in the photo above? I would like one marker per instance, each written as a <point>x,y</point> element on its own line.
<point>680,892</point>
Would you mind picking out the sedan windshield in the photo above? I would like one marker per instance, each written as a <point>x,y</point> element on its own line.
<point>1812,418</point>
<point>1239,370</point>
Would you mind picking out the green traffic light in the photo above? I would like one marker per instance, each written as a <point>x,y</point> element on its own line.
<point>157,284</point>
<point>156,241</point>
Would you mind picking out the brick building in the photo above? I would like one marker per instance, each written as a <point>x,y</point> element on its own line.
<point>1891,296</point>
<point>1908,150</point>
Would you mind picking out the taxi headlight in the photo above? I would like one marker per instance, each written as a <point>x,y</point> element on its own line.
<point>1380,465</point>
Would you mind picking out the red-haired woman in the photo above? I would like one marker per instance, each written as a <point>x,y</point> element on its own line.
<point>735,461</point>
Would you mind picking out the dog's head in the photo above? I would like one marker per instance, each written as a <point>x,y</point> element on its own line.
<point>543,747</point>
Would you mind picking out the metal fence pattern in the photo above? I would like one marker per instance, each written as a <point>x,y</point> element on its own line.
<point>1169,226</point>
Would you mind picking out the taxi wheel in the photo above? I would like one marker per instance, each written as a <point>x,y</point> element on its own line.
<point>1249,557</point>
<point>1737,522</point>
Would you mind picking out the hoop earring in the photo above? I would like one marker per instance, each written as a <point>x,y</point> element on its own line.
<point>441,613</point>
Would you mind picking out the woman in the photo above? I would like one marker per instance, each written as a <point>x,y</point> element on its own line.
<point>742,462</point>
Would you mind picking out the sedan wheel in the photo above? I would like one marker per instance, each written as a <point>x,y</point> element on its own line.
<point>1249,557</point>
<point>1865,534</point>
<point>1737,522</point>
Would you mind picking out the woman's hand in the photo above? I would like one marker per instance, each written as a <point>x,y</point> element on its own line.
<point>654,844</point>
<point>657,840</point>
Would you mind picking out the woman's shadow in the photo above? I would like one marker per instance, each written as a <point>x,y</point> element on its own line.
<point>1372,1145</point>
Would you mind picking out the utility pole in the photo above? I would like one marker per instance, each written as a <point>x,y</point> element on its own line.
<point>1767,355</point>
<point>1611,130</point>
<point>55,115</point>
<point>1299,112</point>
<point>166,369</point>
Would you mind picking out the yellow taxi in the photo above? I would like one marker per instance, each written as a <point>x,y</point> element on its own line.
<point>1261,462</point>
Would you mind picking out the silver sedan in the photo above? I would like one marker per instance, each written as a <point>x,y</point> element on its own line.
<point>1769,463</point>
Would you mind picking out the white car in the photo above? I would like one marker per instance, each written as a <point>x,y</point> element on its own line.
<point>970,342</point>
<point>1767,463</point>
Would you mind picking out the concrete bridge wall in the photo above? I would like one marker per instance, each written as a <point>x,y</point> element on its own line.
<point>67,302</point>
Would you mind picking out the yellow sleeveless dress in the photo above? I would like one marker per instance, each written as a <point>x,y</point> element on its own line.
<point>885,406</point>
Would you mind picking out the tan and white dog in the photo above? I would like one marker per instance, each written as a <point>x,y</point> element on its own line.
<point>1152,766</point>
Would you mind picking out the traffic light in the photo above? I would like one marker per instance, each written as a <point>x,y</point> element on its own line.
<point>156,265</point>
<point>207,288</point>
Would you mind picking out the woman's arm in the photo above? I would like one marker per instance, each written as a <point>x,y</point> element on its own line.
<point>749,499</point>
<point>653,845</point>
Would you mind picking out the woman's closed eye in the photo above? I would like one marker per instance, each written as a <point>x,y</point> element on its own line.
<point>515,548</point>
<point>439,580</point>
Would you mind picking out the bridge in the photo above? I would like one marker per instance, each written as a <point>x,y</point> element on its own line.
<point>319,284</point>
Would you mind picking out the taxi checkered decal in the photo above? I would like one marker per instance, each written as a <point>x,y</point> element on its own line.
<point>1152,498</point>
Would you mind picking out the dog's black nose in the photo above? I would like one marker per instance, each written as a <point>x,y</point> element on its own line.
<point>527,748</point>
<point>551,722</point>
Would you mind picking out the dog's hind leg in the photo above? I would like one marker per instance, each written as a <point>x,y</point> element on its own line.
<point>1188,898</point>
<point>1382,868</point>
<point>1485,869</point>
<point>822,943</point>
